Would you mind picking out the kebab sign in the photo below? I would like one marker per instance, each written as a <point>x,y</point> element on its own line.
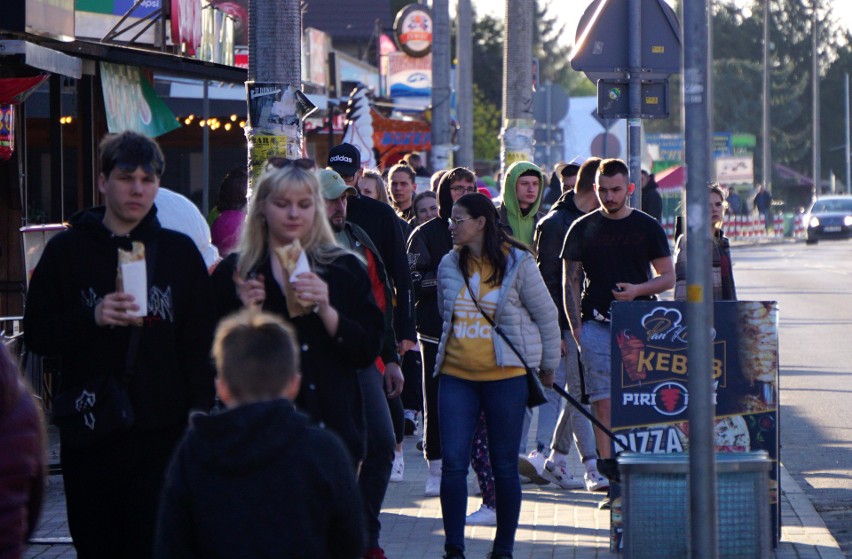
<point>650,381</point>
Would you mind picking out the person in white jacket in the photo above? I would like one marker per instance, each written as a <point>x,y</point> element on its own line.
<point>488,273</point>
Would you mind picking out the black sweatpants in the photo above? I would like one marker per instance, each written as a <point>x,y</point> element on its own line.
<point>113,492</point>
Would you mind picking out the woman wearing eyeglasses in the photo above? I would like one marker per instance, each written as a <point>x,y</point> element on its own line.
<point>427,244</point>
<point>342,332</point>
<point>489,278</point>
<point>723,273</point>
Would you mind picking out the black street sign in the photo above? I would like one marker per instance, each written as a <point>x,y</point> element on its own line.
<point>614,99</point>
<point>601,41</point>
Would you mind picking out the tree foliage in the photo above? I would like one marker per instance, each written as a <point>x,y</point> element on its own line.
<point>738,68</point>
<point>486,127</point>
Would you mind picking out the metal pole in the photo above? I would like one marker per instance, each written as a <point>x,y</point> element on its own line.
<point>767,127</point>
<point>634,122</point>
<point>549,125</point>
<point>205,151</point>
<point>704,540</point>
<point>441,85</point>
<point>848,145</point>
<point>816,125</point>
<point>464,81</point>
<point>56,209</point>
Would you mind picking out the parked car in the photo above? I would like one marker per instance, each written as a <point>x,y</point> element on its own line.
<point>830,217</point>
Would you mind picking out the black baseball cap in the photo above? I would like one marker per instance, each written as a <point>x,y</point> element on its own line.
<point>345,159</point>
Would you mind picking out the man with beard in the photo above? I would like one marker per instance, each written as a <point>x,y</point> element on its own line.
<point>375,471</point>
<point>615,247</point>
<point>553,435</point>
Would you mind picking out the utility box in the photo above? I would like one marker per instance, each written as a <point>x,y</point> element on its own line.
<point>655,490</point>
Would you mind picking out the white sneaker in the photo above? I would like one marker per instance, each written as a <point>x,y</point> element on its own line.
<point>433,486</point>
<point>559,474</point>
<point>532,466</point>
<point>485,516</point>
<point>433,479</point>
<point>398,468</point>
<point>595,482</point>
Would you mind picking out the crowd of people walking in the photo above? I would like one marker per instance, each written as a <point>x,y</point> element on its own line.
<point>348,312</point>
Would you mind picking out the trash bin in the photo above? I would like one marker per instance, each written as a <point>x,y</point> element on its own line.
<point>655,490</point>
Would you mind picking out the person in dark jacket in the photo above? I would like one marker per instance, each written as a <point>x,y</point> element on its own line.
<point>426,246</point>
<point>652,202</point>
<point>563,179</point>
<point>383,226</point>
<point>331,306</point>
<point>552,434</point>
<point>724,288</point>
<point>74,311</point>
<point>258,480</point>
<point>381,382</point>
<point>22,461</point>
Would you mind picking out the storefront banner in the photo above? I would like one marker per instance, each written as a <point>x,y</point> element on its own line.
<point>14,91</point>
<point>315,56</point>
<point>650,382</point>
<point>186,24</point>
<point>394,137</point>
<point>132,104</point>
<point>95,18</point>
<point>408,76</point>
<point>48,18</point>
<point>736,169</point>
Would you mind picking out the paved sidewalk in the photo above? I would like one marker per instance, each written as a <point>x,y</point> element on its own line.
<point>554,523</point>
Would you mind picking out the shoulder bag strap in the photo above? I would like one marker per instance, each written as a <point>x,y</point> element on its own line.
<point>496,328</point>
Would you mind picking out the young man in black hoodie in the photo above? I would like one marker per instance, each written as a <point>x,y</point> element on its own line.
<point>75,311</point>
<point>259,480</point>
<point>427,245</point>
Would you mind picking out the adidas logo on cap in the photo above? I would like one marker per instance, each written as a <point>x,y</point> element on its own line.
<point>340,159</point>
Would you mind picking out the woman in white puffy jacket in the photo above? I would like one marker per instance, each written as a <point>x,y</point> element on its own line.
<point>488,273</point>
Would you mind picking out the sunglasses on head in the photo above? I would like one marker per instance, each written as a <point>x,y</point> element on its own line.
<point>281,162</point>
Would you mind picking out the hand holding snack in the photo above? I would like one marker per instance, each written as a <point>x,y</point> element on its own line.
<point>132,279</point>
<point>311,290</point>
<point>116,310</point>
<point>294,261</point>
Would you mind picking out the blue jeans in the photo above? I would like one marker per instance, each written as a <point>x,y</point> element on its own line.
<point>459,405</point>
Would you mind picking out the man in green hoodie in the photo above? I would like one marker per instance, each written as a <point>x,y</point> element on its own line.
<point>522,189</point>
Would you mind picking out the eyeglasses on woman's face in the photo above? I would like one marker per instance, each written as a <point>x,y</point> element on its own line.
<point>457,221</point>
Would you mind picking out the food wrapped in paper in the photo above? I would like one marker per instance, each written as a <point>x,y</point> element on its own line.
<point>294,261</point>
<point>132,278</point>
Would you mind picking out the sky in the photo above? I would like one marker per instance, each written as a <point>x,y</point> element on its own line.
<point>841,9</point>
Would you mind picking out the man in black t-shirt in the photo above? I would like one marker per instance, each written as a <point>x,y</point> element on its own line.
<point>615,247</point>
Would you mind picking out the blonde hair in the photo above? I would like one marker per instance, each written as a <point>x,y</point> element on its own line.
<point>318,243</point>
<point>381,187</point>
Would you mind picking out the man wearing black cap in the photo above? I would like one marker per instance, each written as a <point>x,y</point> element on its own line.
<point>375,471</point>
<point>380,222</point>
<point>346,160</point>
